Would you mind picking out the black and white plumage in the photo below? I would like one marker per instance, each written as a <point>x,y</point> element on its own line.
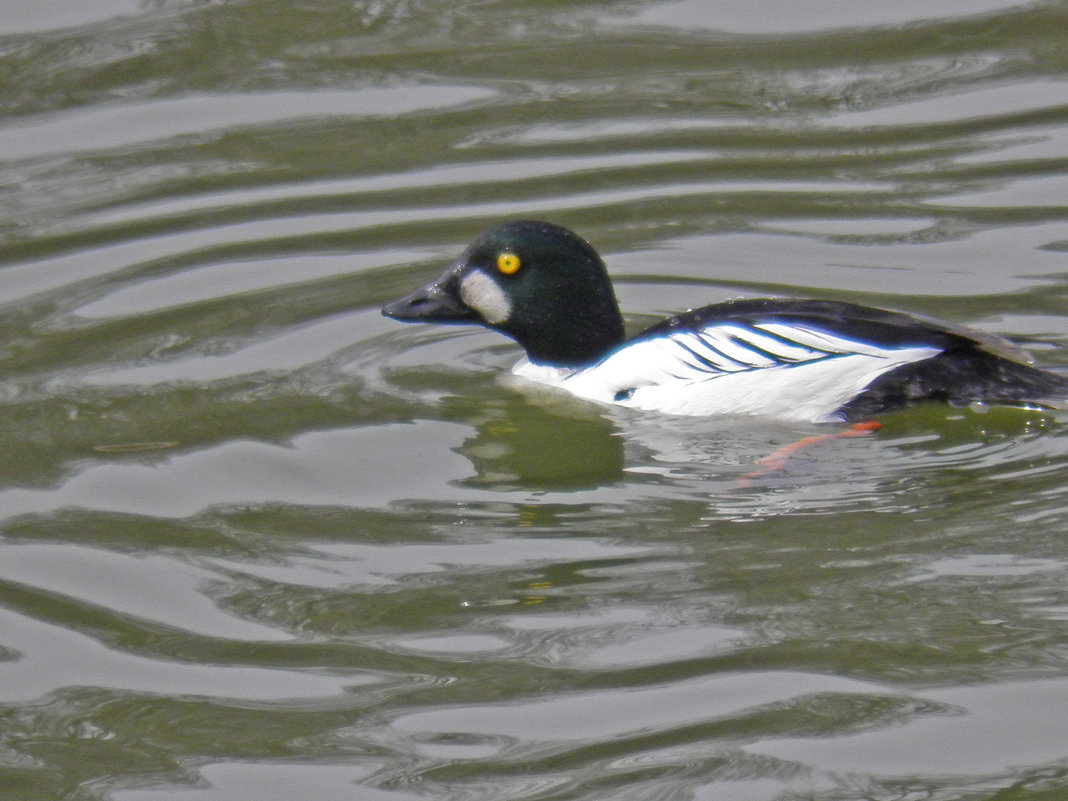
<point>805,360</point>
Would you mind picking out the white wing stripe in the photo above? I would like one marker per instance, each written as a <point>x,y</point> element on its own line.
<point>823,341</point>
<point>759,348</point>
<point>725,349</point>
<point>700,361</point>
<point>732,345</point>
<point>709,351</point>
<point>780,348</point>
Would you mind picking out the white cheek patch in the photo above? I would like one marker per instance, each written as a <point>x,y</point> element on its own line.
<point>481,293</point>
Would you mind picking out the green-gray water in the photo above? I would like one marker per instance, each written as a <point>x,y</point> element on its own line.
<point>258,542</point>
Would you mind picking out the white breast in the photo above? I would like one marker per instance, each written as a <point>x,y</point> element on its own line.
<point>775,370</point>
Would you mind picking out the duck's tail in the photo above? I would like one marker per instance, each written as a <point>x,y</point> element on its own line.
<point>961,377</point>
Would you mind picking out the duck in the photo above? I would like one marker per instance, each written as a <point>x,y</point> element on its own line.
<point>803,360</point>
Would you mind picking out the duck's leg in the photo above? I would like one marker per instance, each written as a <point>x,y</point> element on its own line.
<point>778,458</point>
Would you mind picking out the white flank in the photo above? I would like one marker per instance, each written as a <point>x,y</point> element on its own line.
<point>772,370</point>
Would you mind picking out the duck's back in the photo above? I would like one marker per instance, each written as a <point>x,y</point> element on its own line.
<point>809,360</point>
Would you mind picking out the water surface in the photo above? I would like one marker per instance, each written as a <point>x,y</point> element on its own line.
<point>257,541</point>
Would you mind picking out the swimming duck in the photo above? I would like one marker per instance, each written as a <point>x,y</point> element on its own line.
<point>802,360</point>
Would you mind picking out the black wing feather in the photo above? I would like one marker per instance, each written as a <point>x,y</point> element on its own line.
<point>878,327</point>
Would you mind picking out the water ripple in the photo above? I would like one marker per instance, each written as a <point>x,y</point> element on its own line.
<point>260,542</point>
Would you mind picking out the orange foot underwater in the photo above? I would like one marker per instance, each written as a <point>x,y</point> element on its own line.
<point>777,460</point>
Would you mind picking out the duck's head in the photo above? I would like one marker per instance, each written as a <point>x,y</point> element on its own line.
<point>540,284</point>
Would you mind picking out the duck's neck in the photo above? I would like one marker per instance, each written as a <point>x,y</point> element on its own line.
<point>573,340</point>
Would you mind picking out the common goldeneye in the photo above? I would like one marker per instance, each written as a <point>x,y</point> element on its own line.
<point>803,360</point>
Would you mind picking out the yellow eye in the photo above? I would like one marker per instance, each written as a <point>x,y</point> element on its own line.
<point>508,263</point>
